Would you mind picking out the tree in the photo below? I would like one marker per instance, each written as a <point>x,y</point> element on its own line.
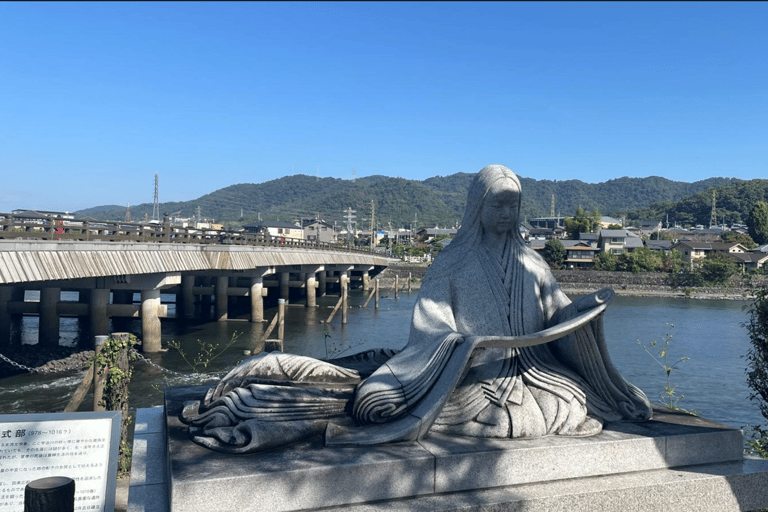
<point>605,261</point>
<point>672,261</point>
<point>757,365</point>
<point>641,259</point>
<point>738,238</point>
<point>554,253</point>
<point>757,223</point>
<point>582,222</point>
<point>717,269</point>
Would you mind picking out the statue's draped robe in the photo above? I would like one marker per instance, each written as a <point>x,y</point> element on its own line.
<point>566,387</point>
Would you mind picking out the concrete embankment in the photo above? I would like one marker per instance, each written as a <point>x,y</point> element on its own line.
<point>577,282</point>
<point>654,284</point>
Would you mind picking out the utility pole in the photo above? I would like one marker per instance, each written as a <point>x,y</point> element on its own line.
<point>156,205</point>
<point>373,224</point>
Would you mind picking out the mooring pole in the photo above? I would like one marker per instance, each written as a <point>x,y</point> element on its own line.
<point>281,319</point>
<point>376,294</point>
<point>397,284</point>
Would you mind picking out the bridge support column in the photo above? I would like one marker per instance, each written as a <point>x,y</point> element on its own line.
<point>150,321</point>
<point>98,311</point>
<point>322,282</point>
<point>6,293</point>
<point>205,299</point>
<point>187,301</point>
<point>311,291</point>
<point>284,285</point>
<point>257,299</point>
<point>222,299</point>
<point>366,281</point>
<point>48,330</point>
<point>310,283</point>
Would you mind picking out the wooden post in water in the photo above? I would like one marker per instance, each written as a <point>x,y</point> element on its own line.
<point>409,283</point>
<point>397,284</point>
<point>281,321</point>
<point>98,380</point>
<point>344,302</point>
<point>52,494</point>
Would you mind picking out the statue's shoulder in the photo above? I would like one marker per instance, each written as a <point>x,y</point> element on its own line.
<point>450,264</point>
<point>536,263</point>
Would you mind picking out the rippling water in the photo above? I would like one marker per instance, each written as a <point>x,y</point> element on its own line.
<point>707,331</point>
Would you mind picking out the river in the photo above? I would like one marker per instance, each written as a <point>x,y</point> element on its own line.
<point>708,332</point>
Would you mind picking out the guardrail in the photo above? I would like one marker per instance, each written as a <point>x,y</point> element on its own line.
<point>24,227</point>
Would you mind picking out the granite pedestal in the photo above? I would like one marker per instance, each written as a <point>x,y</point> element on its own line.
<point>673,462</point>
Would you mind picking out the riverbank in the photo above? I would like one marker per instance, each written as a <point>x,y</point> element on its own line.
<point>578,282</point>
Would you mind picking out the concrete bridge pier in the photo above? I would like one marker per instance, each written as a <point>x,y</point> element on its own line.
<point>150,321</point>
<point>367,278</point>
<point>322,284</point>
<point>311,285</point>
<point>257,299</point>
<point>185,301</point>
<point>205,299</point>
<point>48,329</point>
<point>257,291</point>
<point>97,311</point>
<point>222,299</point>
<point>151,309</point>
<point>284,285</point>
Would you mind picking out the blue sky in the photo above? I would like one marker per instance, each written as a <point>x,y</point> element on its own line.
<point>95,98</point>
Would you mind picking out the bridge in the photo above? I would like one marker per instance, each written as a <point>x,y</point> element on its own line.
<point>106,274</point>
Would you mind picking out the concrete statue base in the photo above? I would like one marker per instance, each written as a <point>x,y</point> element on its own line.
<point>672,462</point>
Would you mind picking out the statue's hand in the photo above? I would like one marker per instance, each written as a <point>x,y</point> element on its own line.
<point>592,300</point>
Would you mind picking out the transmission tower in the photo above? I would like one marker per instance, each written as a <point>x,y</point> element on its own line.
<point>128,213</point>
<point>349,218</point>
<point>156,205</point>
<point>552,209</point>
<point>713,217</point>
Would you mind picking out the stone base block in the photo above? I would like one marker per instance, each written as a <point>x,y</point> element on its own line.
<point>626,467</point>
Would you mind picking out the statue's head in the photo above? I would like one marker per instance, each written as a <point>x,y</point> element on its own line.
<point>493,191</point>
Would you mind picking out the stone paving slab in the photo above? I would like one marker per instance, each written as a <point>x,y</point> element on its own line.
<point>309,476</point>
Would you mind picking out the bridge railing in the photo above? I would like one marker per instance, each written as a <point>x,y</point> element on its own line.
<point>26,227</point>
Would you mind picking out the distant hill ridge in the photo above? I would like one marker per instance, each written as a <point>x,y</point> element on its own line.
<point>440,200</point>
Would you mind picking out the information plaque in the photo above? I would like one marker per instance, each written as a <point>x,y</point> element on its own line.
<point>81,445</point>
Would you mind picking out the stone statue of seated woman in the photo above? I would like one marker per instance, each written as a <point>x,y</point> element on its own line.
<point>496,349</point>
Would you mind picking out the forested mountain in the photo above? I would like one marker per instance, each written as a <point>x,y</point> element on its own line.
<point>733,203</point>
<point>437,201</point>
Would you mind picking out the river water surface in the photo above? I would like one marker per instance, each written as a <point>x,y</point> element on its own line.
<point>708,332</point>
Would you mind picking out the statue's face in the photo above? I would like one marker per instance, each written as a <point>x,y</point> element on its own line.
<point>499,213</point>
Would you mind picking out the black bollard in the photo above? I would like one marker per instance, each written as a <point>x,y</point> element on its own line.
<point>52,494</point>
